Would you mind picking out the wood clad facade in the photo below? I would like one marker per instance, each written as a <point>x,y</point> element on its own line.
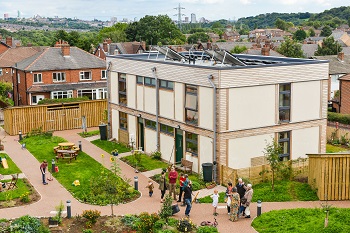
<point>54,116</point>
<point>329,174</point>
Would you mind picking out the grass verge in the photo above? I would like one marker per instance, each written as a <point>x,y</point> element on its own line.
<point>13,169</point>
<point>108,146</point>
<point>146,163</point>
<point>334,149</point>
<point>89,134</point>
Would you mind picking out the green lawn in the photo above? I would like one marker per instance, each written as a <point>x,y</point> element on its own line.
<point>108,146</point>
<point>89,133</point>
<point>83,169</point>
<point>23,187</point>
<point>303,221</point>
<point>13,169</point>
<point>334,149</point>
<point>147,163</point>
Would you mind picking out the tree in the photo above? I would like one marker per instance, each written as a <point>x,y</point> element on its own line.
<point>116,32</point>
<point>272,154</point>
<point>281,24</point>
<point>329,47</point>
<point>311,32</point>
<point>299,35</point>
<point>166,210</point>
<point>198,36</point>
<point>326,31</point>
<point>238,49</point>
<point>290,48</point>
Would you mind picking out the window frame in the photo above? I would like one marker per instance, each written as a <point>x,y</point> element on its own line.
<point>37,76</point>
<point>123,117</point>
<point>152,82</point>
<point>122,80</point>
<point>188,108</point>
<point>192,141</point>
<point>82,75</point>
<point>281,142</point>
<point>167,85</point>
<point>284,108</point>
<point>0,71</point>
<point>150,124</point>
<point>60,74</point>
<point>69,94</point>
<point>103,74</point>
<point>166,129</point>
<point>137,80</point>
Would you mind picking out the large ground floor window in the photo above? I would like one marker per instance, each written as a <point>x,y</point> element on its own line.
<point>93,94</point>
<point>192,143</point>
<point>61,94</point>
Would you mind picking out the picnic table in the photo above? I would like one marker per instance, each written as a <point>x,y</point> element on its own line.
<point>66,154</point>
<point>66,145</point>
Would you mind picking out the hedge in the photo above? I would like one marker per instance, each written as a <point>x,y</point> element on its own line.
<point>338,117</point>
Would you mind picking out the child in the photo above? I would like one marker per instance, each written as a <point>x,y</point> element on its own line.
<point>150,187</point>
<point>215,198</point>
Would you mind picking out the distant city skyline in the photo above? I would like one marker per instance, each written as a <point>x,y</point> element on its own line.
<point>209,9</point>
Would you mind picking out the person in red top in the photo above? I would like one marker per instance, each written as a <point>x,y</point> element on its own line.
<point>43,167</point>
<point>181,181</point>
<point>172,181</point>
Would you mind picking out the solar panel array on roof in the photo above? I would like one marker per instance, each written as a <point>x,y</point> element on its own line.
<point>225,57</point>
<point>170,53</point>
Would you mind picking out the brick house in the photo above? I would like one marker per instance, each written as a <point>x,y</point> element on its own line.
<point>231,36</point>
<point>59,72</point>
<point>220,112</point>
<point>344,87</point>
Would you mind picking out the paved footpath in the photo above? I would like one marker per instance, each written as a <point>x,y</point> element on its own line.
<point>52,194</point>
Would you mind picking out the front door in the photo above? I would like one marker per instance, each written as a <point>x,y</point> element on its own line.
<point>179,145</point>
<point>141,139</point>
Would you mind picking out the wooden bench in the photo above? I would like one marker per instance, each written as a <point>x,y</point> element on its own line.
<point>66,154</point>
<point>184,165</point>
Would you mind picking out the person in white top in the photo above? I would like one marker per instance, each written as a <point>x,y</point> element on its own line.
<point>215,197</point>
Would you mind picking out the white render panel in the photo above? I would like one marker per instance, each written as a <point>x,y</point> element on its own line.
<point>150,100</point>
<point>115,123</point>
<point>131,90</point>
<point>179,90</point>
<point>306,101</point>
<point>251,107</point>
<point>166,104</point>
<point>206,150</point>
<point>167,147</point>
<point>194,159</point>
<point>205,107</point>
<point>150,140</point>
<point>273,74</point>
<point>139,97</point>
<point>114,88</point>
<point>241,150</point>
<point>305,141</point>
<point>132,126</point>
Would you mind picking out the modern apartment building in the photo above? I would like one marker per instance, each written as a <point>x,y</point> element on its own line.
<point>222,110</point>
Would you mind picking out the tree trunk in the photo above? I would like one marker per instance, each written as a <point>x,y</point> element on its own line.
<point>273,180</point>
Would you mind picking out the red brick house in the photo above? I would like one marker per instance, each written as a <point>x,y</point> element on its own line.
<point>59,72</point>
<point>344,87</point>
<point>231,36</point>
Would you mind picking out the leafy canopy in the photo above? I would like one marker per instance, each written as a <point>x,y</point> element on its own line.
<point>329,47</point>
<point>290,48</point>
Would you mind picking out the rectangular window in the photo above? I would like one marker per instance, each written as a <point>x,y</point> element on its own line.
<point>191,105</point>
<point>150,82</point>
<point>103,74</point>
<point>150,124</point>
<point>37,78</point>
<point>0,71</point>
<point>167,129</point>
<point>61,94</point>
<point>85,75</point>
<point>123,120</point>
<point>192,143</point>
<point>122,89</point>
<point>18,78</point>
<point>166,84</point>
<point>284,142</point>
<point>139,80</point>
<point>59,77</point>
<point>284,102</point>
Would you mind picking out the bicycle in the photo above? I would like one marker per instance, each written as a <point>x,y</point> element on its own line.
<point>208,223</point>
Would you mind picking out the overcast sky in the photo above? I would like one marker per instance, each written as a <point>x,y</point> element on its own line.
<point>209,9</point>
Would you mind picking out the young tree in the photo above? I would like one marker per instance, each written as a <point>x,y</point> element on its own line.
<point>290,48</point>
<point>272,154</point>
<point>329,47</point>
<point>326,31</point>
<point>166,210</point>
<point>311,32</point>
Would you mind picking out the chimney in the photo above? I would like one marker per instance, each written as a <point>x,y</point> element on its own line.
<point>143,44</point>
<point>65,48</point>
<point>9,41</point>
<point>341,56</point>
<point>105,46</point>
<point>265,51</point>
<point>209,45</point>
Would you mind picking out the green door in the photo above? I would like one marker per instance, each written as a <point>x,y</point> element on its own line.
<point>141,137</point>
<point>179,145</point>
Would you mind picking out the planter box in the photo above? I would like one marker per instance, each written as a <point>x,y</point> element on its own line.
<point>211,186</point>
<point>53,222</point>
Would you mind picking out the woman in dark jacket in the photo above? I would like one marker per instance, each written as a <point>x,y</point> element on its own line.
<point>162,186</point>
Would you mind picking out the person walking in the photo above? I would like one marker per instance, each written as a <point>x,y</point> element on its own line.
<point>162,186</point>
<point>235,205</point>
<point>188,198</point>
<point>43,167</point>
<point>246,200</point>
<point>172,181</point>
<point>215,197</point>
<point>181,181</point>
<point>150,187</point>
<point>241,187</point>
<point>228,196</point>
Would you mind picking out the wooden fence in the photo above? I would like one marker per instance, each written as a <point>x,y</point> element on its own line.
<point>329,174</point>
<point>54,117</point>
<point>258,174</point>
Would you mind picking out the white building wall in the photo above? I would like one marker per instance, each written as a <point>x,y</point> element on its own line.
<point>167,147</point>
<point>140,98</point>
<point>166,104</point>
<point>150,100</point>
<point>306,101</point>
<point>206,150</point>
<point>305,141</point>
<point>114,87</point>
<point>179,101</point>
<point>115,123</point>
<point>132,126</point>
<point>252,107</point>
<point>241,150</point>
<point>131,90</point>
<point>150,140</point>
<point>193,159</point>
<point>205,107</point>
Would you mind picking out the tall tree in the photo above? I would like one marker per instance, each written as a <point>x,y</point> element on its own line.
<point>311,32</point>
<point>116,32</point>
<point>326,31</point>
<point>329,47</point>
<point>281,24</point>
<point>238,49</point>
<point>299,35</point>
<point>290,48</point>
<point>198,36</point>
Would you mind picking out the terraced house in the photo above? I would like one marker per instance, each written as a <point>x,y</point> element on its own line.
<point>222,110</point>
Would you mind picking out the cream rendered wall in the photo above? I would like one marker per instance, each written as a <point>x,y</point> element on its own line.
<point>193,159</point>
<point>166,104</point>
<point>167,147</point>
<point>306,101</point>
<point>139,97</point>
<point>206,150</point>
<point>150,100</point>
<point>132,126</point>
<point>150,140</point>
<point>179,101</point>
<point>205,107</point>
<point>252,107</point>
<point>115,123</point>
<point>131,90</point>
<point>241,150</point>
<point>305,141</point>
<point>114,88</point>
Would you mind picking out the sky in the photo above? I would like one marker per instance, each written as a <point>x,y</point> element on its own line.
<point>131,9</point>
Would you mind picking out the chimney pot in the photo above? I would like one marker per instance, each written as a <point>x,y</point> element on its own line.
<point>105,46</point>
<point>65,48</point>
<point>9,41</point>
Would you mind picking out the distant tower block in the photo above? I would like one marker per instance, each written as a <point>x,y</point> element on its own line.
<point>18,14</point>
<point>6,16</point>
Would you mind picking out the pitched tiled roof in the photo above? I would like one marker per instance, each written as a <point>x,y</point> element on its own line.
<point>65,87</point>
<point>309,49</point>
<point>345,77</point>
<point>14,55</point>
<point>52,59</point>
<point>336,66</point>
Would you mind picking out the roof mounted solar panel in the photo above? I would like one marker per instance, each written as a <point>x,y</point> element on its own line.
<point>170,53</point>
<point>225,57</point>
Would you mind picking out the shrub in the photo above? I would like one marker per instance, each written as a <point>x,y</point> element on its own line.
<point>156,155</point>
<point>338,117</point>
<point>206,229</point>
<point>185,225</point>
<point>146,222</point>
<point>25,197</point>
<point>130,220</point>
<point>166,210</point>
<point>195,186</point>
<point>64,100</point>
<point>25,224</point>
<point>91,216</point>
